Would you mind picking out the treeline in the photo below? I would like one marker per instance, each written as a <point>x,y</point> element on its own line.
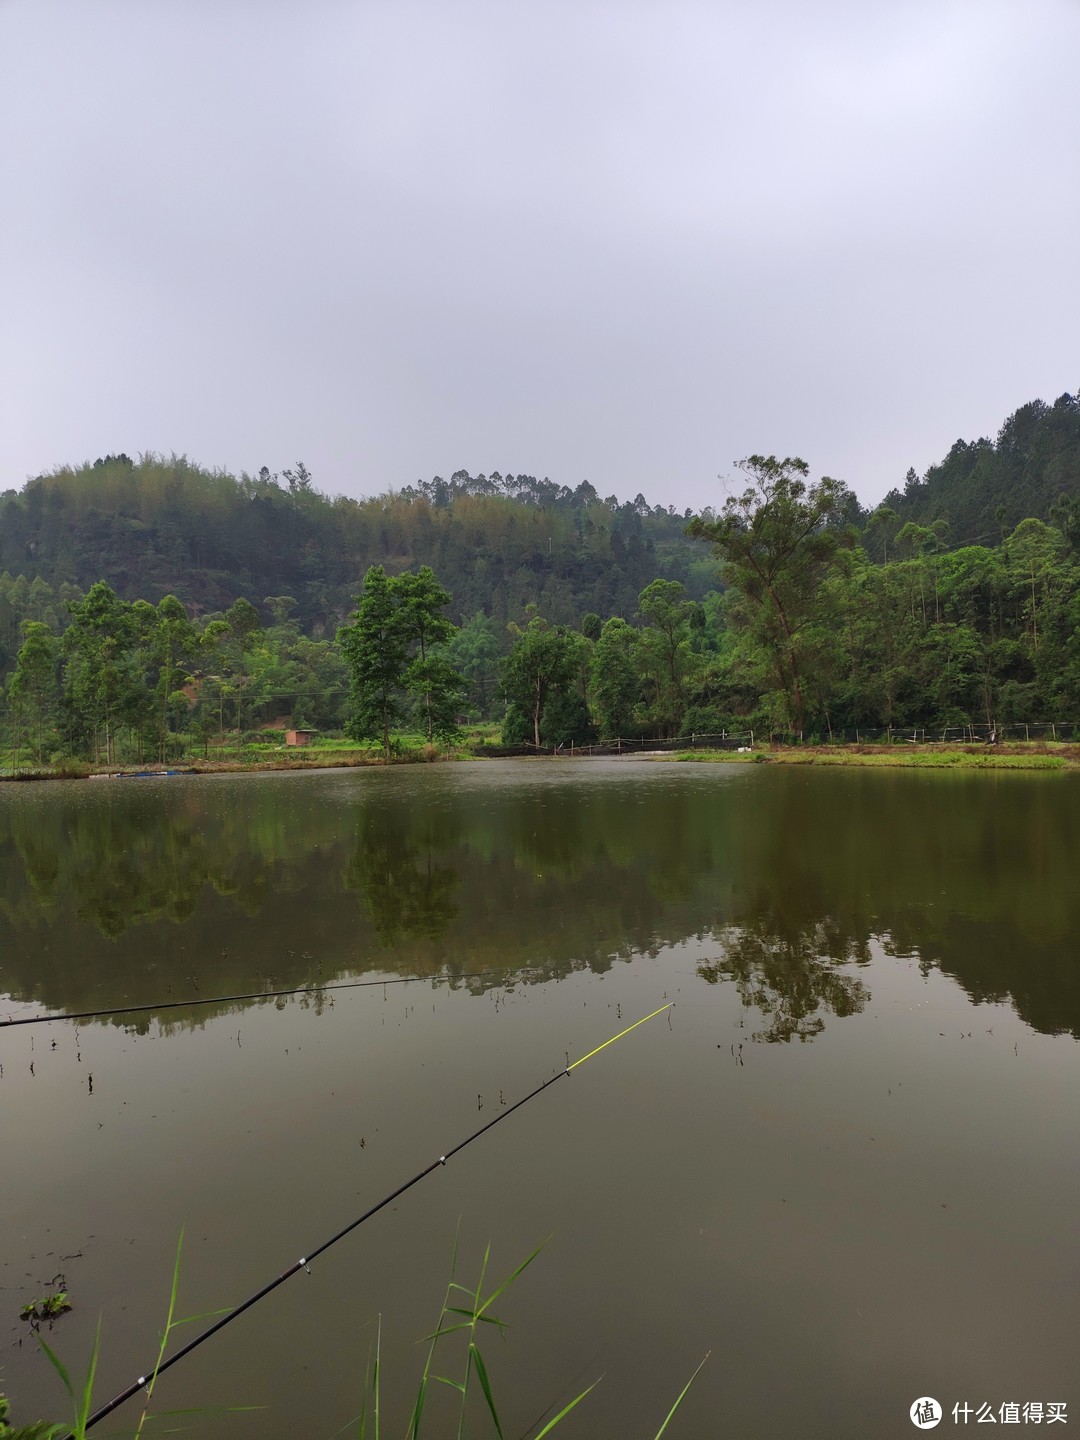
<point>808,635</point>
<point>983,488</point>
<point>120,679</point>
<point>154,605</point>
<point>812,635</point>
<point>819,636</point>
<point>155,526</point>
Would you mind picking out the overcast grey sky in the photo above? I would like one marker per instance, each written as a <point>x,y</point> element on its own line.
<point>623,242</point>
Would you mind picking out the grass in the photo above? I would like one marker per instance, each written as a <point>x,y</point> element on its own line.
<point>911,757</point>
<point>81,1397</point>
<point>82,1402</point>
<point>324,753</point>
<point>465,1311</point>
<point>454,1362</point>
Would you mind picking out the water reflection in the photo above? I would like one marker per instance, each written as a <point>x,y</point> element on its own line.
<point>114,894</point>
<point>792,980</point>
<point>407,894</point>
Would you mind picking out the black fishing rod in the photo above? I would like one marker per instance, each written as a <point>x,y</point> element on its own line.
<point>304,1262</point>
<point>229,999</point>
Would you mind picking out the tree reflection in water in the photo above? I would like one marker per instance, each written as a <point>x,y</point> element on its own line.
<point>794,980</point>
<point>406,893</point>
<point>122,892</point>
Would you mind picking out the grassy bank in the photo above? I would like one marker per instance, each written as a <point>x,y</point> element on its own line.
<point>237,757</point>
<point>411,750</point>
<point>912,757</point>
<point>237,764</point>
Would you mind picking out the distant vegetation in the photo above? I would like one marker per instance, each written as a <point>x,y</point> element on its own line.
<point>148,608</point>
<point>984,488</point>
<point>155,527</point>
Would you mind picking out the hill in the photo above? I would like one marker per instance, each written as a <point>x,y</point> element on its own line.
<point>156,526</point>
<point>984,488</point>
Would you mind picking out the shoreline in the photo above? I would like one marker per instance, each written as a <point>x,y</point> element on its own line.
<point>1006,756</point>
<point>1014,755</point>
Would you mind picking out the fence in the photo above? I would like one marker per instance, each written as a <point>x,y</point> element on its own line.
<point>629,745</point>
<point>983,734</point>
<point>1040,732</point>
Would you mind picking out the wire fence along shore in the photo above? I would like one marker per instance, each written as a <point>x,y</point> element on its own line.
<point>1039,733</point>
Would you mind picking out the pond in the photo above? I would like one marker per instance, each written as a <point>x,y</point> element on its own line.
<point>844,1163</point>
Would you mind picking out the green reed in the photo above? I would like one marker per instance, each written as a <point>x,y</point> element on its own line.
<point>464,1313</point>
<point>464,1310</point>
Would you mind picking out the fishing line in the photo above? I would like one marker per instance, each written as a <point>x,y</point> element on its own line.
<point>304,1262</point>
<point>229,999</point>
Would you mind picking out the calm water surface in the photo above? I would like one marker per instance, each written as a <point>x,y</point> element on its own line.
<point>846,1163</point>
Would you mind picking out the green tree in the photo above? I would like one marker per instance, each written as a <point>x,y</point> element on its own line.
<point>777,542</point>
<point>376,650</point>
<point>431,678</point>
<point>882,527</point>
<point>99,684</point>
<point>33,687</point>
<point>244,624</point>
<point>616,684</point>
<point>665,650</point>
<point>474,653</point>
<point>394,649</point>
<point>173,643</point>
<point>543,662</point>
<point>440,690</point>
<point>591,625</point>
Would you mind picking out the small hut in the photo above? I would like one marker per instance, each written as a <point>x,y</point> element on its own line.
<point>299,737</point>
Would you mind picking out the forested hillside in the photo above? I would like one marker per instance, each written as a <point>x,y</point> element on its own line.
<point>984,488</point>
<point>156,526</point>
<point>146,607</point>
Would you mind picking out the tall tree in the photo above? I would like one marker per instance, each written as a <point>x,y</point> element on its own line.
<point>376,649</point>
<point>431,678</point>
<point>777,542</point>
<point>173,643</point>
<point>665,649</point>
<point>395,648</point>
<point>33,685</point>
<point>99,683</point>
<point>616,683</point>
<point>474,652</point>
<point>244,624</point>
<point>542,663</point>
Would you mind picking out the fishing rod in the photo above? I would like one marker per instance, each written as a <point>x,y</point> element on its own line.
<point>304,1263</point>
<point>229,999</point>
